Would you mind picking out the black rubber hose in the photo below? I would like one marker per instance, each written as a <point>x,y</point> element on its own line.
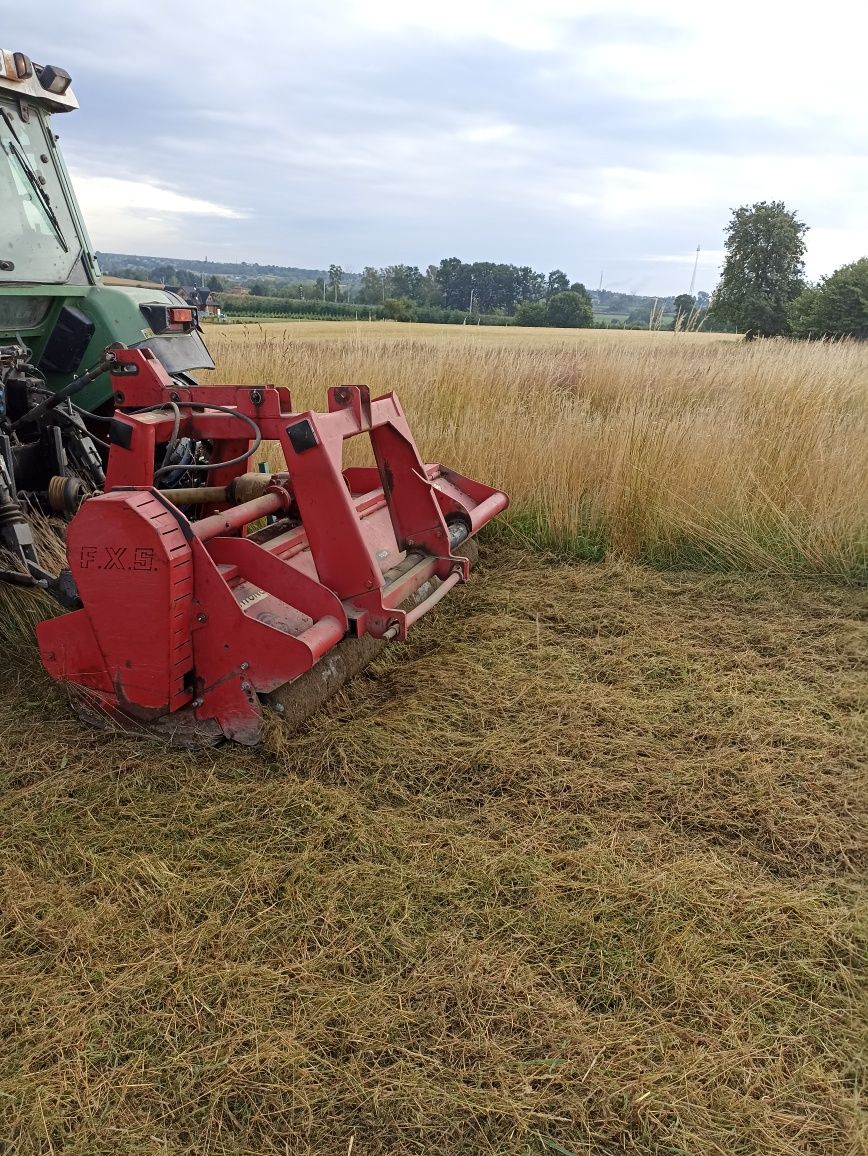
<point>75,386</point>
<point>200,407</point>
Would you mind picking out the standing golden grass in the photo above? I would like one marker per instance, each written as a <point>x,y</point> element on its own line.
<point>665,448</point>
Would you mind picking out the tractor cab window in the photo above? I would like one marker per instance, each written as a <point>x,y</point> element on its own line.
<point>38,239</point>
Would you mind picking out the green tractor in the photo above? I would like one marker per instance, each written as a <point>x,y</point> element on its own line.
<point>57,319</point>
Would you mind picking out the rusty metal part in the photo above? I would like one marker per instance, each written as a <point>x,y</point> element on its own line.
<point>196,495</point>
<point>246,487</point>
<point>243,489</point>
<point>65,495</point>
<point>242,515</point>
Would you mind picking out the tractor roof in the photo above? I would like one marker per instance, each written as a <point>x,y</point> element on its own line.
<point>44,84</point>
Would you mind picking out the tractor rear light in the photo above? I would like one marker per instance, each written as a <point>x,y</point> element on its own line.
<point>55,80</point>
<point>170,318</point>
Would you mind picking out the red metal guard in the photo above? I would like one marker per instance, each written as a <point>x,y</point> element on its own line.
<point>196,618</point>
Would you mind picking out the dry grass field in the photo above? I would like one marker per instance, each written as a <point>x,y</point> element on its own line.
<point>581,869</point>
<point>665,448</point>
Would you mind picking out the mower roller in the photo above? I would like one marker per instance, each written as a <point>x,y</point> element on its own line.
<point>197,590</point>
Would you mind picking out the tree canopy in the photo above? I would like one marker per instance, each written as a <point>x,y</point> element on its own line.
<point>836,307</point>
<point>763,270</point>
<point>336,276</point>
<point>684,306</point>
<point>571,309</point>
<point>557,282</point>
<point>479,287</point>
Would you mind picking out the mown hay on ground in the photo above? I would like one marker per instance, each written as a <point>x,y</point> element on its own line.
<point>578,870</point>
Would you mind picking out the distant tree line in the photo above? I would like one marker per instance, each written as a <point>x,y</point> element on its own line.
<point>393,308</point>
<point>166,274</point>
<point>234,270</point>
<point>762,290</point>
<point>453,291</point>
<point>473,289</point>
<point>478,287</point>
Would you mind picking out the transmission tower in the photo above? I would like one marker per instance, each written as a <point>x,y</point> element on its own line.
<point>695,265</point>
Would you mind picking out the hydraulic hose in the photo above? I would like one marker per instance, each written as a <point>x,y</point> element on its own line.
<point>75,386</point>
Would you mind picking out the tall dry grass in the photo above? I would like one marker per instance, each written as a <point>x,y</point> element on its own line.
<point>666,448</point>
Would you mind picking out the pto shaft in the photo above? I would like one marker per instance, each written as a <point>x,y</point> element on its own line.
<point>273,502</point>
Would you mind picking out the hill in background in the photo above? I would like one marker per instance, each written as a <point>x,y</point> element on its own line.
<point>138,266</point>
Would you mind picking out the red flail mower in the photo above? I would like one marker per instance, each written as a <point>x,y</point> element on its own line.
<point>191,618</point>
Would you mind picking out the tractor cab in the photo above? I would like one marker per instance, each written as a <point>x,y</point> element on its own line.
<point>53,300</point>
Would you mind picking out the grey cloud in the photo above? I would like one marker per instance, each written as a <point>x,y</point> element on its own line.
<point>339,145</point>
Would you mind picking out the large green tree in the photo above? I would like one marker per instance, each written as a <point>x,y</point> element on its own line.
<point>763,270</point>
<point>836,307</point>
<point>336,276</point>
<point>529,285</point>
<point>372,288</point>
<point>453,277</point>
<point>557,282</point>
<point>578,287</point>
<point>684,305</point>
<point>570,311</point>
<point>403,281</point>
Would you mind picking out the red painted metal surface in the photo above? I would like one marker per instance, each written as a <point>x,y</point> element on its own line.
<point>195,619</point>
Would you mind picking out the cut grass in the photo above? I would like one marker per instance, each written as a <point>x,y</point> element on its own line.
<point>578,870</point>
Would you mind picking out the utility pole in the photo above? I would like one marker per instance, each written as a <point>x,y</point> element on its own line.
<point>472,291</point>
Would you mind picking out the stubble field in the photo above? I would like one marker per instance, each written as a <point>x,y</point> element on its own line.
<point>580,869</point>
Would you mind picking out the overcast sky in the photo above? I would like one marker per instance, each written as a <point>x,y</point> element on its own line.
<point>595,137</point>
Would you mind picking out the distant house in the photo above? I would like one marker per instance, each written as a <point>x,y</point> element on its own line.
<point>203,299</point>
